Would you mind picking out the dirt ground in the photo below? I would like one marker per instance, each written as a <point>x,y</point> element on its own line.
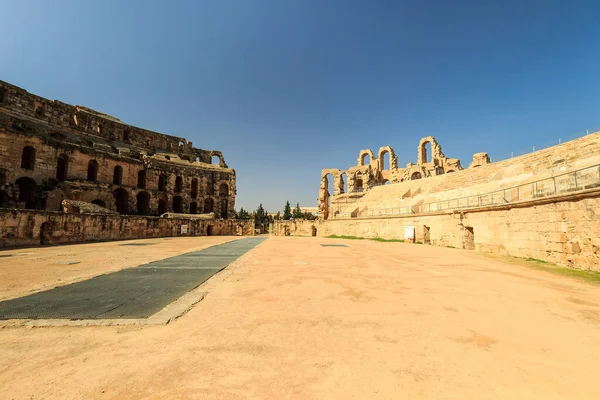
<point>296,320</point>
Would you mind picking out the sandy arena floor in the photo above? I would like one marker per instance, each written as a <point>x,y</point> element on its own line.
<point>296,320</point>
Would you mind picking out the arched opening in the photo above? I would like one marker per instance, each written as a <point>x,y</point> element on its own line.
<point>209,230</point>
<point>216,160</point>
<point>162,207</point>
<point>224,204</point>
<point>46,233</point>
<point>193,207</point>
<point>450,171</point>
<point>143,203</point>
<point>118,175</point>
<point>141,183</point>
<point>426,152</point>
<point>439,171</point>
<point>28,157</point>
<point>365,159</point>
<point>386,182</point>
<point>162,183</point>
<point>358,182</point>
<point>178,184</point>
<point>210,186</point>
<point>27,192</point>
<point>415,175</point>
<point>168,158</point>
<point>92,171</point>
<point>122,201</point>
<point>126,135</point>
<point>186,158</point>
<point>4,199</point>
<point>62,167</point>
<point>99,202</point>
<point>194,188</point>
<point>209,205</point>
<point>198,159</point>
<point>314,230</point>
<point>384,159</point>
<point>224,189</point>
<point>177,204</point>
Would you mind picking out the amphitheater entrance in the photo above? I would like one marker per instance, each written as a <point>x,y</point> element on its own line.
<point>426,234</point>
<point>469,238</point>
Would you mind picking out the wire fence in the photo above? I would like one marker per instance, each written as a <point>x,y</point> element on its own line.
<point>579,180</point>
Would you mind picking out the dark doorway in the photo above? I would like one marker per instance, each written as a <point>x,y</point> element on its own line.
<point>194,188</point>
<point>208,205</point>
<point>415,176</point>
<point>46,233</point>
<point>122,201</point>
<point>143,203</point>
<point>426,235</point>
<point>178,184</point>
<point>92,172</point>
<point>209,230</point>
<point>27,192</point>
<point>62,167</point>
<point>224,204</point>
<point>99,202</point>
<point>469,238</point>
<point>118,175</point>
<point>162,183</point>
<point>141,179</point>
<point>162,207</point>
<point>28,157</point>
<point>177,204</point>
<point>193,207</point>
<point>4,199</point>
<point>314,230</point>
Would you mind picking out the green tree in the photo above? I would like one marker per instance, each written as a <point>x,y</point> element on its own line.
<point>287,211</point>
<point>297,212</point>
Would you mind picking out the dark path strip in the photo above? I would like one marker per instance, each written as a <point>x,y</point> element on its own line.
<point>130,293</point>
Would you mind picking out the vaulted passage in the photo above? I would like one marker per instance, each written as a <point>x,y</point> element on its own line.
<point>209,205</point>
<point>28,158</point>
<point>118,175</point>
<point>27,192</point>
<point>62,168</point>
<point>122,201</point>
<point>193,207</point>
<point>143,203</point>
<point>177,204</point>
<point>162,207</point>
<point>92,171</point>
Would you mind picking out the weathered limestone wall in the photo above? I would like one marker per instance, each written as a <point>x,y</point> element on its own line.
<point>33,227</point>
<point>562,230</point>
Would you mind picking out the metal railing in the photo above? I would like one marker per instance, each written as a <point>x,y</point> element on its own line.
<point>581,179</point>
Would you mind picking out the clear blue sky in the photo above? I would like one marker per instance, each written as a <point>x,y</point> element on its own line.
<point>286,88</point>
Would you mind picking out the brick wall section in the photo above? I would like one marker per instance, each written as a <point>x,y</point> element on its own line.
<point>33,227</point>
<point>562,230</point>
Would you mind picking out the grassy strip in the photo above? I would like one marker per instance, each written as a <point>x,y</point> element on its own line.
<point>363,238</point>
<point>541,265</point>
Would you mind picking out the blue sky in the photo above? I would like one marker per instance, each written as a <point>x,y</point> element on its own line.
<point>286,88</point>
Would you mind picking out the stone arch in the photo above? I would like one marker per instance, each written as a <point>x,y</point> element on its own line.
<point>224,206</point>
<point>28,158</point>
<point>393,158</point>
<point>162,183</point>
<point>416,175</point>
<point>209,205</point>
<point>358,182</point>
<point>363,154</point>
<point>4,199</point>
<point>436,150</point>
<point>193,207</point>
<point>62,167</point>
<point>386,182</point>
<point>178,204</point>
<point>143,203</point>
<point>342,182</point>
<point>194,191</point>
<point>223,189</point>
<point>122,200</point>
<point>186,158</point>
<point>92,171</point>
<point>178,184</point>
<point>118,175</point>
<point>215,159</point>
<point>162,206</point>
<point>99,202</point>
<point>141,181</point>
<point>27,192</point>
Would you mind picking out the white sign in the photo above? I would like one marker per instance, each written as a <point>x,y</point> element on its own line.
<point>184,229</point>
<point>409,233</point>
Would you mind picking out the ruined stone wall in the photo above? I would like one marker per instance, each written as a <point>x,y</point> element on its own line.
<point>33,227</point>
<point>137,171</point>
<point>562,230</point>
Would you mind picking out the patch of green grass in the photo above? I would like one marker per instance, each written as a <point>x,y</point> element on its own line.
<point>541,265</point>
<point>451,247</point>
<point>363,238</point>
<point>418,242</point>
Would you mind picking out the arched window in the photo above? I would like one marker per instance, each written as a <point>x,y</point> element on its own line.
<point>194,189</point>
<point>62,167</point>
<point>439,171</point>
<point>415,175</point>
<point>143,203</point>
<point>215,160</point>
<point>28,157</point>
<point>162,207</point>
<point>118,175</point>
<point>178,184</point>
<point>27,192</point>
<point>208,205</point>
<point>224,189</point>
<point>177,204</point>
<point>364,160</point>
<point>141,183</point>
<point>126,134</point>
<point>224,204</point>
<point>193,207</point>
<point>122,201</point>
<point>162,183</point>
<point>92,172</point>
